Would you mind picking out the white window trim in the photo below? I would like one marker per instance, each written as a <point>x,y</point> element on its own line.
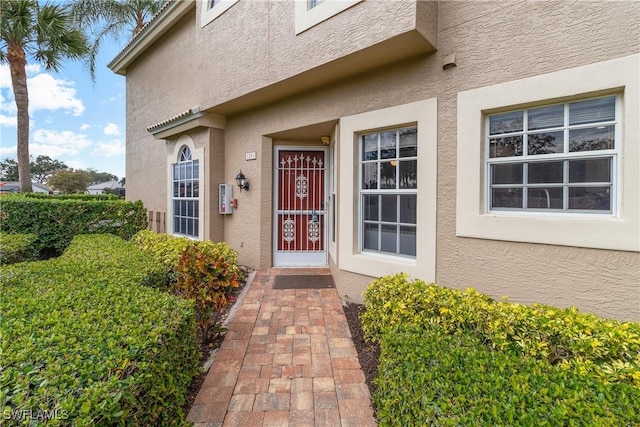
<point>307,18</point>
<point>172,158</point>
<point>619,232</point>
<point>208,15</point>
<point>333,200</point>
<point>423,114</point>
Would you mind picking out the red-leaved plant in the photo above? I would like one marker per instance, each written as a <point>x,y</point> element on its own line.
<point>205,277</point>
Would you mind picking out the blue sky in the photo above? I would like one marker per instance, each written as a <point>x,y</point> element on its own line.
<point>73,119</point>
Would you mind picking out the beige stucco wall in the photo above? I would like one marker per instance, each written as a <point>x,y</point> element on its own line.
<point>253,44</point>
<point>531,38</point>
<point>159,86</point>
<point>493,41</point>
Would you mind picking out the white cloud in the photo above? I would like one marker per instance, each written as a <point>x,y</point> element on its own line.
<point>8,120</point>
<point>32,69</point>
<point>112,129</point>
<point>75,164</point>
<point>111,148</point>
<point>85,126</point>
<point>114,98</point>
<point>6,93</point>
<point>48,93</point>
<point>45,92</point>
<point>8,151</point>
<point>5,77</point>
<point>55,143</point>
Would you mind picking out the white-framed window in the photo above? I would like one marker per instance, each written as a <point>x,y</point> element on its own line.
<point>185,180</point>
<point>309,13</point>
<point>314,3</point>
<point>211,9</point>
<point>389,191</point>
<point>383,155</point>
<point>554,158</point>
<point>590,170</point>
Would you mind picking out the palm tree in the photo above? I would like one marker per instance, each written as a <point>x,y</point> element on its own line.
<point>113,18</point>
<point>47,34</point>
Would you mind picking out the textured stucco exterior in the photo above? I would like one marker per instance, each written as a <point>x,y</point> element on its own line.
<point>278,88</point>
<point>159,85</point>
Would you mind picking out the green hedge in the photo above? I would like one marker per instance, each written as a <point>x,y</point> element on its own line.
<point>430,377</point>
<point>17,248</point>
<point>83,339</point>
<point>452,357</point>
<point>607,349</point>
<point>55,221</point>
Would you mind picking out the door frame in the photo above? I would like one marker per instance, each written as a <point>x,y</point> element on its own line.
<point>282,258</point>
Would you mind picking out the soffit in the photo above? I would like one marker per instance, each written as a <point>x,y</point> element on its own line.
<point>311,132</point>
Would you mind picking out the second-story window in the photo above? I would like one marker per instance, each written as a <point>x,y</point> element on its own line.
<point>309,13</point>
<point>211,9</point>
<point>312,3</point>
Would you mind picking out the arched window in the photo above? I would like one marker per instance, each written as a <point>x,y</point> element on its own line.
<point>185,154</point>
<point>186,194</point>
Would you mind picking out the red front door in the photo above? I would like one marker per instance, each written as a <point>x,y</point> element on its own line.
<point>300,208</point>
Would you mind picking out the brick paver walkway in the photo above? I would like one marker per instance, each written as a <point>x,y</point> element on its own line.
<point>286,360</point>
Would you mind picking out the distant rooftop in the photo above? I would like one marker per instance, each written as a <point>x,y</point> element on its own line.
<point>109,185</point>
<point>14,187</point>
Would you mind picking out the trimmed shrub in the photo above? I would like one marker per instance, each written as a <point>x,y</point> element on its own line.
<point>55,221</point>
<point>167,249</point>
<point>204,272</point>
<point>605,349</point>
<point>428,376</point>
<point>97,253</point>
<point>83,339</point>
<point>17,248</point>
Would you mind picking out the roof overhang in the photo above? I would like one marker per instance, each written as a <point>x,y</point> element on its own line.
<point>186,121</point>
<point>389,52</point>
<point>172,12</point>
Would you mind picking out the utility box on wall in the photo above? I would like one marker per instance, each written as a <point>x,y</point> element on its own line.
<point>225,195</point>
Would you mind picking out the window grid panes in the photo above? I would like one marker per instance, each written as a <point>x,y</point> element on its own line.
<point>556,158</point>
<point>388,191</point>
<point>186,193</point>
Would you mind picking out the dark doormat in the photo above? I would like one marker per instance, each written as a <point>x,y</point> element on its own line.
<point>303,281</point>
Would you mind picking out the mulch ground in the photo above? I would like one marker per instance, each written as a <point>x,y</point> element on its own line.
<point>368,354</point>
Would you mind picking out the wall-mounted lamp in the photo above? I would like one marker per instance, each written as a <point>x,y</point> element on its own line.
<point>241,180</point>
<point>326,140</point>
